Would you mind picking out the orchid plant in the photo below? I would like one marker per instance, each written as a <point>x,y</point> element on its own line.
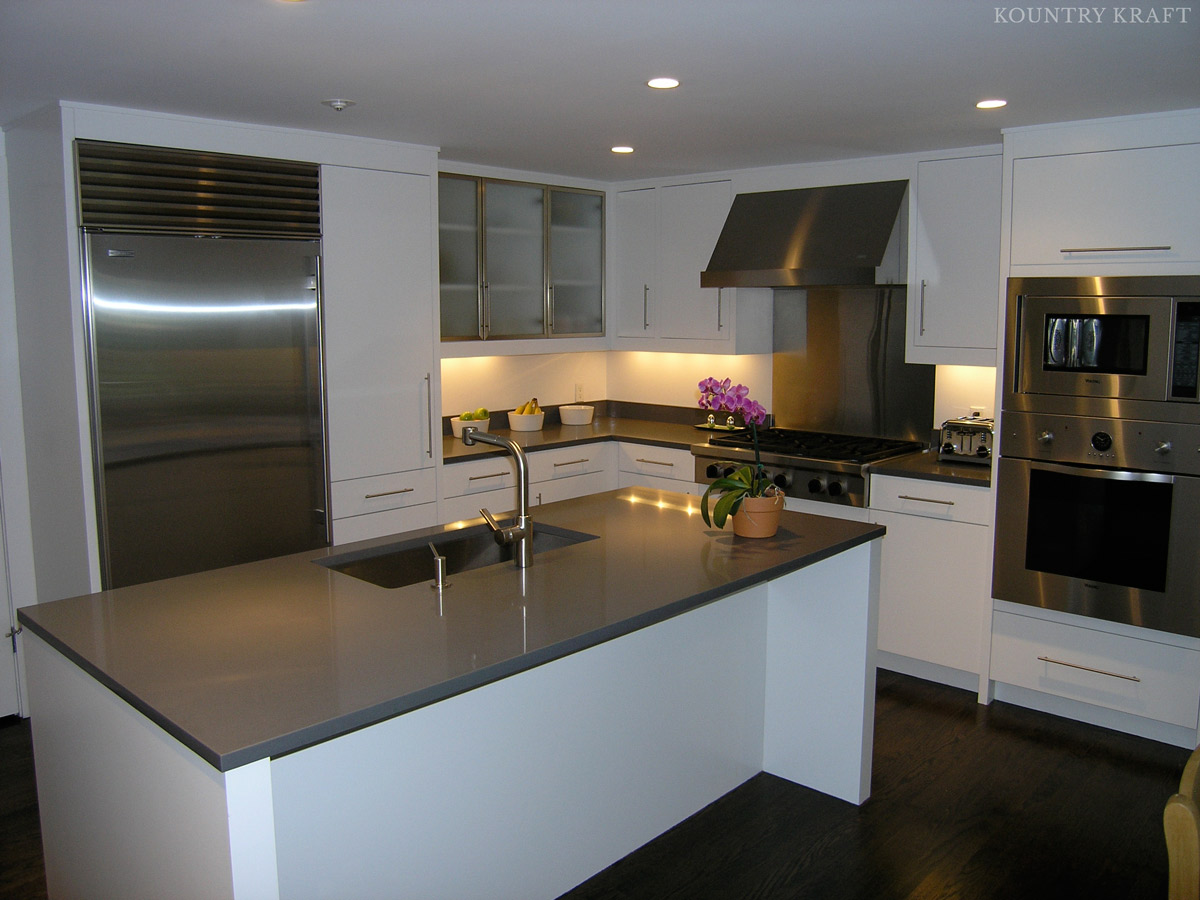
<point>747,481</point>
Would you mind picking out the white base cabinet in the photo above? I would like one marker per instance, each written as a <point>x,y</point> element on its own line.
<point>935,574</point>
<point>1146,684</point>
<point>559,473</point>
<point>668,468</point>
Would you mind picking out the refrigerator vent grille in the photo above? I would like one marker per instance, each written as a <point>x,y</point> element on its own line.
<point>127,187</point>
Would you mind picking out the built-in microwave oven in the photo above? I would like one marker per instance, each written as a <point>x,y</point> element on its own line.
<point>1133,340</point>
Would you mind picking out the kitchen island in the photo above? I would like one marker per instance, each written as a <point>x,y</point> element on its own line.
<point>284,730</point>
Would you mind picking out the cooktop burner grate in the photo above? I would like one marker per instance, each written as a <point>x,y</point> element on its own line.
<point>818,445</point>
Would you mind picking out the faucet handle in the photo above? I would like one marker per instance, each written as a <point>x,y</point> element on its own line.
<point>490,519</point>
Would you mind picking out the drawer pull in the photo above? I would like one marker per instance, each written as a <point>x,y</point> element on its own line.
<point>572,462</point>
<point>926,500</point>
<point>1113,249</point>
<point>1071,665</point>
<point>490,475</point>
<point>656,462</point>
<point>387,493</point>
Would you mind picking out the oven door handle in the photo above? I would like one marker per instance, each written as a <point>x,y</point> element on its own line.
<point>1108,474</point>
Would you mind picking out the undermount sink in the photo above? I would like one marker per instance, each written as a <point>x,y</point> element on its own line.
<point>412,561</point>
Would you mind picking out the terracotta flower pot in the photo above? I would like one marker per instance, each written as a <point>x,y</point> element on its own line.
<point>758,517</point>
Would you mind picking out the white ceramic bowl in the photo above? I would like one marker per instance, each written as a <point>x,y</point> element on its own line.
<point>456,425</point>
<point>518,422</point>
<point>576,415</point>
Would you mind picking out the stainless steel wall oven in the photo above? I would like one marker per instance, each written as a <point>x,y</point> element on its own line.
<point>1099,472</point>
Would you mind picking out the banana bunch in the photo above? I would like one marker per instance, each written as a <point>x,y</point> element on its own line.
<point>528,409</point>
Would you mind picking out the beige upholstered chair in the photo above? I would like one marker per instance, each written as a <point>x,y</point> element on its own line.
<point>1181,822</point>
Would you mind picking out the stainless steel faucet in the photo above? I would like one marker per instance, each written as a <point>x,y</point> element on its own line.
<point>520,533</point>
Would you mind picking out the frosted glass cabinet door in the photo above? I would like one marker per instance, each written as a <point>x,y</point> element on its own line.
<point>576,262</point>
<point>514,259</point>
<point>458,256</point>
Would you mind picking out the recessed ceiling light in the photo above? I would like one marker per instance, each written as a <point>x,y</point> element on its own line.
<point>991,104</point>
<point>338,104</point>
<point>663,84</point>
<point>622,149</point>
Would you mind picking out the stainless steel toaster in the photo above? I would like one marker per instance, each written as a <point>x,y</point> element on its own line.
<point>966,439</point>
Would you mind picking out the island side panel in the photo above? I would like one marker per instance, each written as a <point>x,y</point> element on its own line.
<point>820,704</point>
<point>127,811</point>
<point>527,786</point>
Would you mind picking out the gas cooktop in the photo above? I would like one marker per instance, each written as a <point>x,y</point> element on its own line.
<point>817,445</point>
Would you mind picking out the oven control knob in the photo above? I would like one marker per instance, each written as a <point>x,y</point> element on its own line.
<point>1163,448</point>
<point>1101,441</point>
<point>836,488</point>
<point>816,485</point>
<point>713,471</point>
<point>1045,437</point>
<point>783,480</point>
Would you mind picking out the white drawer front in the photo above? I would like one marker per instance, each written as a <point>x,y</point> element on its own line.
<point>389,521</point>
<point>567,462</point>
<point>932,499</point>
<point>396,490</point>
<point>663,462</point>
<point>634,479</point>
<point>500,502</point>
<point>477,476</point>
<point>1145,678</point>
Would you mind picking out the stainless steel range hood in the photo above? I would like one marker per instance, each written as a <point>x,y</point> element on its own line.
<point>811,237</point>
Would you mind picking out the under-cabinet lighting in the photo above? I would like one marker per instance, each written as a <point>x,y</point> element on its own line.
<point>991,104</point>
<point>622,149</point>
<point>663,84</point>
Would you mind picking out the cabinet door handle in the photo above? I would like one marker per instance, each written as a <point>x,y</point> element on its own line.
<point>490,475</point>
<point>388,493</point>
<point>645,306</point>
<point>429,411</point>
<point>926,500</point>
<point>655,462</point>
<point>1071,665</point>
<point>921,308</point>
<point>550,309</point>
<point>572,462</point>
<point>1113,249</point>
<point>720,324</point>
<point>485,320</point>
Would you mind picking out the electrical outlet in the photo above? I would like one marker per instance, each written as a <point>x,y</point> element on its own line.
<point>578,391</point>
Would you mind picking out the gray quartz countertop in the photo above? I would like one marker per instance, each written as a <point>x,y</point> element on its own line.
<point>261,659</point>
<point>606,428</point>
<point>924,464</point>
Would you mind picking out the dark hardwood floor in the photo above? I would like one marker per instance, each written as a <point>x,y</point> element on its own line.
<point>968,802</point>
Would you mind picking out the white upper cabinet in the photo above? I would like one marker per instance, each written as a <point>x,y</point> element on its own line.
<point>662,239</point>
<point>953,295</point>
<point>691,217</point>
<point>1128,211</point>
<point>379,298</point>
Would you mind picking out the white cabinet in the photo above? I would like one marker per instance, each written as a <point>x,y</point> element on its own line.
<point>1110,212</point>
<point>558,473</point>
<point>935,584</point>
<point>955,290</point>
<point>662,239</point>
<point>646,465</point>
<point>1152,679</point>
<point>378,299</point>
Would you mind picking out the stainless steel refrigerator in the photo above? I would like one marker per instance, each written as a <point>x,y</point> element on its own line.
<point>206,394</point>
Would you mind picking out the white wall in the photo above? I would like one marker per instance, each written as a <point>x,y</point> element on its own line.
<point>961,390</point>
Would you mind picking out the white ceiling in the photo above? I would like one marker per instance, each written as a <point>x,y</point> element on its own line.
<point>550,85</point>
